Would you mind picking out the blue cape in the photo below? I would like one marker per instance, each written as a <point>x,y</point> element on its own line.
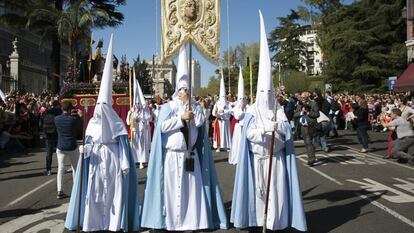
<point>153,215</point>
<point>243,208</point>
<point>130,202</point>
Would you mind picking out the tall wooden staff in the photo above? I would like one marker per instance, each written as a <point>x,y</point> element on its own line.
<point>269,174</point>
<point>80,169</point>
<point>251,81</point>
<point>190,158</point>
<point>131,122</point>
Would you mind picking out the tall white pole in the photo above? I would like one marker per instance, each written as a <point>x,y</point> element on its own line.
<point>156,26</point>
<point>228,45</point>
<point>280,82</point>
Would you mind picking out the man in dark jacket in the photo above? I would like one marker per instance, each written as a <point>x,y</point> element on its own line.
<point>334,111</point>
<point>67,126</point>
<point>49,130</point>
<point>307,111</point>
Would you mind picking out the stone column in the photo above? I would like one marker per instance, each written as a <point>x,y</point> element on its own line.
<point>410,50</point>
<point>14,66</point>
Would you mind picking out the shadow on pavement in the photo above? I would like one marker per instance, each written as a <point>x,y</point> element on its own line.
<point>21,212</point>
<point>330,218</point>
<point>24,176</point>
<point>7,164</point>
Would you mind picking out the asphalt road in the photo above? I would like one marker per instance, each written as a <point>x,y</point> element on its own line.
<point>346,192</point>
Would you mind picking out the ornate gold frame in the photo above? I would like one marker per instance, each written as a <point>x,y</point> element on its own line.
<point>208,47</point>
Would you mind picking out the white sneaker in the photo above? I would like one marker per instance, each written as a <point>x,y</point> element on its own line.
<point>141,166</point>
<point>363,150</point>
<point>218,150</point>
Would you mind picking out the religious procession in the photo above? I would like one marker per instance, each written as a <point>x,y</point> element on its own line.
<point>309,129</point>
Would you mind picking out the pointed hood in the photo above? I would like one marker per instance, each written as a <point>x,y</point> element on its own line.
<point>240,89</point>
<point>105,125</point>
<point>139,99</point>
<point>105,90</point>
<point>265,96</point>
<point>182,72</point>
<point>222,101</point>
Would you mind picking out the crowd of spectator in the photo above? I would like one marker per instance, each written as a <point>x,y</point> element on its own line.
<point>25,119</point>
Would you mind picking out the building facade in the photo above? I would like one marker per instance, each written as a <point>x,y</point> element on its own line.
<point>196,75</point>
<point>312,63</point>
<point>25,60</point>
<point>163,77</point>
<point>408,14</point>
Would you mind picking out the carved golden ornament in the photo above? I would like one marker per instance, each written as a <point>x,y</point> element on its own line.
<point>87,101</point>
<point>122,101</point>
<point>74,102</point>
<point>196,21</point>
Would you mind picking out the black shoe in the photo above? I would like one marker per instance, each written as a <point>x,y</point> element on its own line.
<point>310,163</point>
<point>61,195</point>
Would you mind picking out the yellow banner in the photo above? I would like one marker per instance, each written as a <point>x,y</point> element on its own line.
<point>196,21</point>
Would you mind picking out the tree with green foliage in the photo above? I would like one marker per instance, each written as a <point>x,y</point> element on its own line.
<point>211,89</point>
<point>61,21</point>
<point>143,76</point>
<point>363,44</point>
<point>285,41</point>
<point>243,52</point>
<point>72,23</point>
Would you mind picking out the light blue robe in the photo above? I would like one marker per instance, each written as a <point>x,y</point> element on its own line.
<point>153,214</point>
<point>243,209</point>
<point>130,204</point>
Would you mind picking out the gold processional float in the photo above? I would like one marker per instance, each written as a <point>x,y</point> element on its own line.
<point>184,22</point>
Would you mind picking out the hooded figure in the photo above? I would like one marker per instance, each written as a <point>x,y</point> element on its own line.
<point>222,112</point>
<point>138,119</point>
<point>109,201</point>
<point>176,199</point>
<point>249,194</point>
<point>238,113</point>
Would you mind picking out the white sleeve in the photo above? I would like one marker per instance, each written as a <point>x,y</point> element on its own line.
<point>238,113</point>
<point>128,120</point>
<point>199,117</point>
<point>255,133</point>
<point>172,123</point>
<point>123,158</point>
<point>87,149</point>
<point>281,126</point>
<point>214,112</point>
<point>146,115</point>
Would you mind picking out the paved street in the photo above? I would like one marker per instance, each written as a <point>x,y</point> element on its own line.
<point>346,192</point>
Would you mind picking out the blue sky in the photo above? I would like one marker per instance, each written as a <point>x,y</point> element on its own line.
<point>138,33</point>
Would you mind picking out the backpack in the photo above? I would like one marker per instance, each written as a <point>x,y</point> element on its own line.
<point>49,123</point>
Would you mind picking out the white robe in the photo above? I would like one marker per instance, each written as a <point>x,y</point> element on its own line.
<point>108,163</point>
<point>238,113</point>
<point>140,132</point>
<point>224,127</point>
<point>184,198</point>
<point>278,211</point>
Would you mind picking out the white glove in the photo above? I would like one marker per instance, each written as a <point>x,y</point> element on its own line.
<point>81,149</point>
<point>271,126</point>
<point>261,131</point>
